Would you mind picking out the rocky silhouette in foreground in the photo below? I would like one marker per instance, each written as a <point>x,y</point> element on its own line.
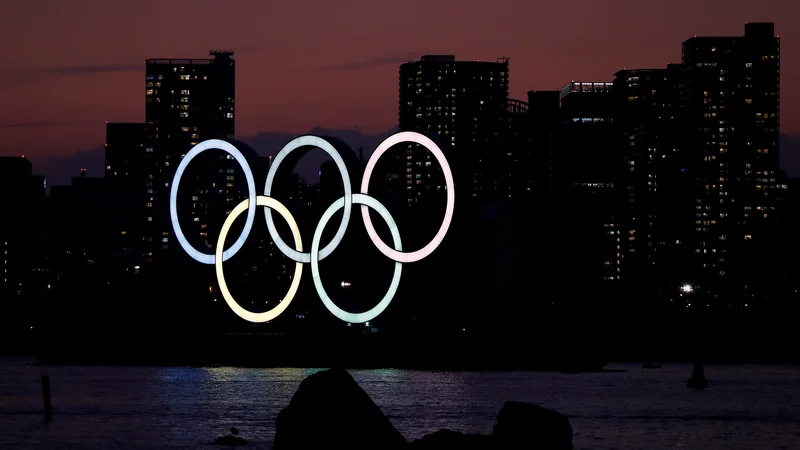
<point>519,426</point>
<point>330,410</point>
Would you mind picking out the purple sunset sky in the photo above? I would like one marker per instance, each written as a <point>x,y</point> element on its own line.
<point>70,66</point>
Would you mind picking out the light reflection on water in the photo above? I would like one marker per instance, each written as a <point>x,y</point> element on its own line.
<point>747,407</point>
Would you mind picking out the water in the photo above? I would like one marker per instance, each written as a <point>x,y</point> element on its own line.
<point>747,406</point>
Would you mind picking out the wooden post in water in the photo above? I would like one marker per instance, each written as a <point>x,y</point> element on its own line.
<point>48,407</point>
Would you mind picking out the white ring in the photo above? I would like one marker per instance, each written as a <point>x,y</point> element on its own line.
<point>211,144</point>
<point>409,136</point>
<point>324,145</point>
<point>367,201</point>
<point>268,202</point>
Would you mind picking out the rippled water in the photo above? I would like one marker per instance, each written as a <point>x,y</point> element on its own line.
<point>747,407</point>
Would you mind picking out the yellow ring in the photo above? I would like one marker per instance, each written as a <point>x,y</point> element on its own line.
<point>278,207</point>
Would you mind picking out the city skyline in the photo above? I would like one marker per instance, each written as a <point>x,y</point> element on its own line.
<point>314,74</point>
<point>400,225</point>
<point>663,184</point>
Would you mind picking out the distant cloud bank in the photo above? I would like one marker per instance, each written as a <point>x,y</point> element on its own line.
<point>40,124</point>
<point>59,171</point>
<point>16,77</point>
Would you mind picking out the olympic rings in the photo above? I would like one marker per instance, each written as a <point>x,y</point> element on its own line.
<point>315,254</point>
<point>268,202</point>
<point>173,199</point>
<point>420,139</point>
<point>296,143</point>
<point>366,201</point>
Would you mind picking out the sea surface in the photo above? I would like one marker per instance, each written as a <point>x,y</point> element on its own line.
<point>746,407</point>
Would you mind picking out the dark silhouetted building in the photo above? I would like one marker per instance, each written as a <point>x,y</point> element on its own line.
<point>127,183</point>
<point>545,132</point>
<point>518,183</point>
<point>124,156</point>
<point>16,193</point>
<point>656,201</point>
<point>39,252</point>
<point>587,115</point>
<point>85,238</point>
<point>21,250</point>
<point>587,168</point>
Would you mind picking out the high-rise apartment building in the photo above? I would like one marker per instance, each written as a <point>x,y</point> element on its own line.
<point>587,171</point>
<point>465,103</point>
<point>656,205</point>
<point>731,105</point>
<point>587,115</point>
<point>189,101</point>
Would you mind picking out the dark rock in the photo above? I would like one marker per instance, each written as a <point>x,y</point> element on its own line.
<point>330,410</point>
<point>229,440</point>
<point>526,426</point>
<point>447,440</point>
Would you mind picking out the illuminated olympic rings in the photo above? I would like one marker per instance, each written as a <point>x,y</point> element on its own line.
<point>316,253</point>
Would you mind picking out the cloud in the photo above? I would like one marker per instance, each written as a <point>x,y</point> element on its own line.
<point>391,58</point>
<point>16,77</point>
<point>60,170</point>
<point>269,143</point>
<point>40,124</point>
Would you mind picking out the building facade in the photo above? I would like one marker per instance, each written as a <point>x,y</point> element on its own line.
<point>588,169</point>
<point>465,103</point>
<point>16,191</point>
<point>656,201</point>
<point>519,183</point>
<point>731,108</point>
<point>587,115</point>
<point>545,130</point>
<point>189,101</point>
<point>126,180</point>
